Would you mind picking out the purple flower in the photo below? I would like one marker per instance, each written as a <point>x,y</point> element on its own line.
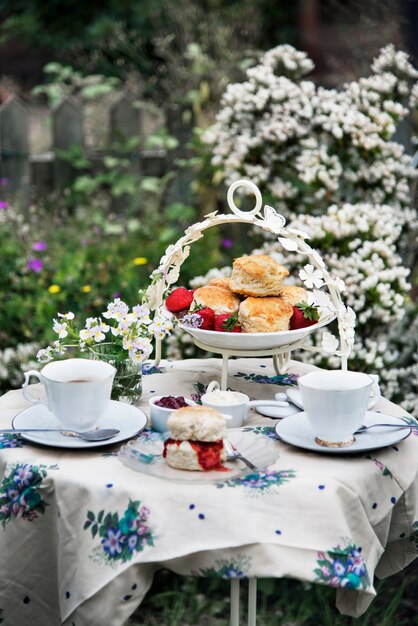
<point>356,563</point>
<point>4,181</point>
<point>13,494</point>
<point>3,204</point>
<point>132,542</point>
<point>39,246</point>
<point>144,513</point>
<point>23,475</point>
<point>192,319</point>
<point>112,543</point>
<point>339,568</point>
<point>35,265</point>
<point>227,243</point>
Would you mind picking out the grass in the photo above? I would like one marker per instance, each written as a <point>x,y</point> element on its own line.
<point>177,601</point>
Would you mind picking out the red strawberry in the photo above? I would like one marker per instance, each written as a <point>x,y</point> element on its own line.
<point>207,316</point>
<point>303,315</point>
<point>227,323</point>
<point>179,300</point>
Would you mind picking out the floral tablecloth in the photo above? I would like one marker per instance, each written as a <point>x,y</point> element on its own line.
<point>82,534</point>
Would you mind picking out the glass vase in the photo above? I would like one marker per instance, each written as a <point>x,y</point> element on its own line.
<point>127,384</point>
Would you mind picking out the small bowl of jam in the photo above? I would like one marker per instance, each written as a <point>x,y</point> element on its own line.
<point>161,408</point>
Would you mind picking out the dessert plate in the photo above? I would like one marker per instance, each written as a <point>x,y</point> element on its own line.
<point>145,455</point>
<point>128,419</point>
<point>254,341</point>
<point>297,431</point>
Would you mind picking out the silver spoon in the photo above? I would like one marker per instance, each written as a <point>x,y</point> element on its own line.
<point>362,429</point>
<point>233,454</point>
<point>88,435</point>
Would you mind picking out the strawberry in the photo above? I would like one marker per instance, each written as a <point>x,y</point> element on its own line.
<point>227,323</point>
<point>179,300</point>
<point>303,315</point>
<point>207,316</point>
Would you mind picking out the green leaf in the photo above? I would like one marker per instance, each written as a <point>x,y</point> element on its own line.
<point>94,530</point>
<point>100,516</point>
<point>90,516</point>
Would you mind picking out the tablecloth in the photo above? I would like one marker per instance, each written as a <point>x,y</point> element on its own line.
<point>82,534</point>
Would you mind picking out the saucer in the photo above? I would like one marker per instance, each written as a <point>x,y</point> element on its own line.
<point>145,455</point>
<point>127,418</point>
<point>297,431</point>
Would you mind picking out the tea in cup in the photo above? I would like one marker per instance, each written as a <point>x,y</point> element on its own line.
<point>78,391</point>
<point>235,404</point>
<point>335,404</point>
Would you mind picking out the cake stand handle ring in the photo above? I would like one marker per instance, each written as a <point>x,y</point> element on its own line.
<point>252,187</point>
<point>281,362</point>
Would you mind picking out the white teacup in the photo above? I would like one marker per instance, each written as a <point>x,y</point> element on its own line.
<point>78,391</point>
<point>335,404</point>
<point>234,404</point>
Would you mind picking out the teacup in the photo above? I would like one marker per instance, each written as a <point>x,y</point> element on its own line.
<point>335,404</point>
<point>235,404</point>
<point>78,391</point>
<point>160,414</point>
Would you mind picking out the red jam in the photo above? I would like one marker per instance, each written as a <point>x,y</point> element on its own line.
<point>208,453</point>
<point>171,402</point>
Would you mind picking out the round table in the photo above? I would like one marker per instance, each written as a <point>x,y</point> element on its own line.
<point>82,534</point>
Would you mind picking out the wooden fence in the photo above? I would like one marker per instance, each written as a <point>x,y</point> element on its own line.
<point>29,174</point>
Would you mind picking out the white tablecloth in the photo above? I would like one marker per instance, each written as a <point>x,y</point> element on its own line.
<point>81,534</point>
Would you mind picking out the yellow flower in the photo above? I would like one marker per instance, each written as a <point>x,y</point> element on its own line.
<point>54,289</point>
<point>140,260</point>
<point>86,288</point>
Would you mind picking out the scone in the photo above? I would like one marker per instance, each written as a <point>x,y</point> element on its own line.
<point>218,299</point>
<point>293,295</point>
<point>196,439</point>
<point>221,281</point>
<point>257,275</point>
<point>264,315</point>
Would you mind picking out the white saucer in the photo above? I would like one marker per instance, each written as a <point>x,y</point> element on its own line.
<point>297,431</point>
<point>127,418</point>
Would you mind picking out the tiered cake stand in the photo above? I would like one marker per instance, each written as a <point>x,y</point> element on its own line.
<point>327,292</point>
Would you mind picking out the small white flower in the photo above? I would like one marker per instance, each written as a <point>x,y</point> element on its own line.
<point>311,277</point>
<point>60,328</point>
<point>44,355</point>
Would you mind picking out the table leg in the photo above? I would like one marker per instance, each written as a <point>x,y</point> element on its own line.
<point>234,621</point>
<point>252,602</point>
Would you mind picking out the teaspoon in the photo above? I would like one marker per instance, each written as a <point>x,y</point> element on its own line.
<point>100,434</point>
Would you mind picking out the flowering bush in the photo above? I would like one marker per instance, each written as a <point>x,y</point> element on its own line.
<point>326,160</point>
<point>128,335</point>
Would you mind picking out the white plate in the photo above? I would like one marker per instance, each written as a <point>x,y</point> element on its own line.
<point>297,431</point>
<point>145,455</point>
<point>127,418</point>
<point>254,341</point>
